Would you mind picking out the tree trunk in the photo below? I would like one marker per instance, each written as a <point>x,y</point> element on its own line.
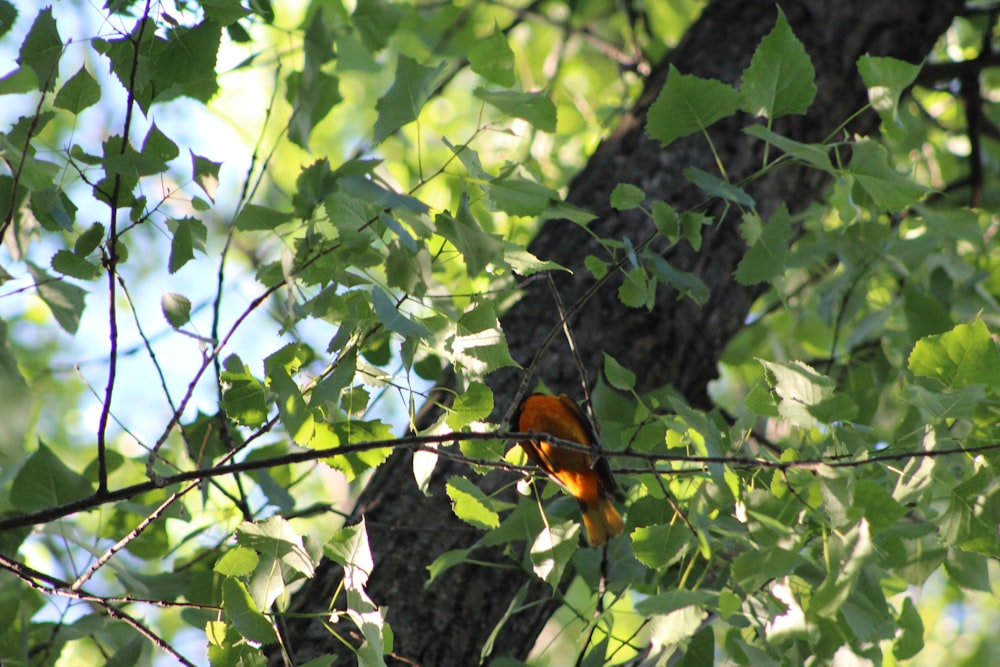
<point>677,343</point>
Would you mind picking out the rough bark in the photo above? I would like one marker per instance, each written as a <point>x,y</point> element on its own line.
<point>678,343</point>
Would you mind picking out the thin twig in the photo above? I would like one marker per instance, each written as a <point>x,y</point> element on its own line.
<point>50,585</point>
<point>427,442</point>
<point>111,266</point>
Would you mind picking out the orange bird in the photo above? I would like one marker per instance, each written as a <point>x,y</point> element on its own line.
<point>590,482</point>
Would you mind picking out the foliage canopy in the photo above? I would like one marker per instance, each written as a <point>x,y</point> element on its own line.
<point>243,243</point>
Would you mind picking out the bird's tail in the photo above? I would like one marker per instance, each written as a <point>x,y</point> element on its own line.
<point>602,522</point>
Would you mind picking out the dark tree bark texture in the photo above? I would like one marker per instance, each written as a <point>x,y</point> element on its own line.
<point>678,343</point>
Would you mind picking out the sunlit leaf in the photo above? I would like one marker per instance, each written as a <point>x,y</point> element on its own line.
<point>243,396</point>
<point>887,79</point>
<point>963,356</point>
<point>473,404</point>
<point>470,504</point>
<point>176,308</point>
<point>244,614</point>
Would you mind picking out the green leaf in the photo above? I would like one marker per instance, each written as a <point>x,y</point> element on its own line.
<point>691,226</point>
<point>617,375</point>
<point>661,545</point>
<point>523,263</point>
<point>205,173</point>
<point>190,234</point>
<point>243,613</point>
<point>410,90</point>
<point>88,241</point>
<point>80,92</point>
<point>700,649</point>
<point>470,504</point>
<point>44,481</point>
<point>492,59</point>
<point>259,218</point>
<point>445,562</point>
<point>243,397</point>
<point>312,96</point>
<point>687,284</point>
<point>845,554</point>
<point>70,264</point>
<point>204,439</point>
<point>597,267</point>
<point>8,15</point>
<point>910,638</point>
<point>473,404</point>
<point>536,108</point>
<point>53,208</point>
<point>814,155</point>
<point>19,81</point>
<point>237,562</point>
<point>176,308</point>
<point>65,301</point>
<point>799,386</point>
<point>634,291</point>
<point>968,570</point>
<point>227,647</point>
<point>765,259</point>
<point>626,196</point>
<point>925,314</point>
<point>394,320</point>
<point>834,409</point>
<point>159,146</point>
<point>407,270</point>
<point>970,521</point>
<point>182,64</point>
<point>716,187</point>
<point>755,568</point>
<point>665,603</point>
<point>964,356</point>
<point>375,22</point>
<point>157,150</point>
<point>666,221</point>
<point>877,505</point>
<point>293,411</point>
<point>367,190</point>
<point>276,539</point>
<point>887,79</point>
<point>889,190</point>
<point>779,80</point>
<point>185,63</point>
<point>688,104</point>
<point>478,247</point>
<point>552,550</point>
<point>328,390</point>
<point>351,549</point>
<point>519,196</point>
<point>41,50</point>
<point>223,12</point>
<point>479,344</point>
<point>353,432</point>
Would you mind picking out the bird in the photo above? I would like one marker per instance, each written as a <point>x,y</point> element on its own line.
<point>590,482</point>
